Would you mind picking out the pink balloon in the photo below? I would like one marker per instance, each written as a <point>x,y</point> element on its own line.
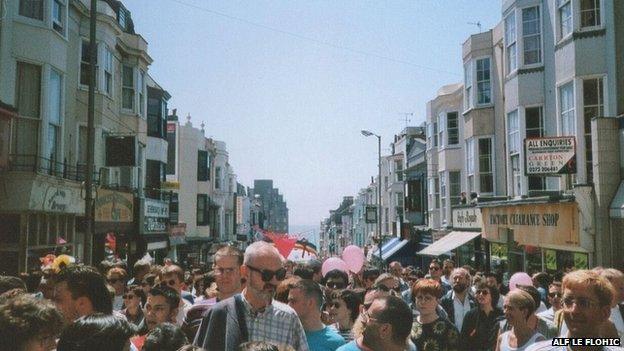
<point>519,278</point>
<point>334,263</point>
<point>353,256</point>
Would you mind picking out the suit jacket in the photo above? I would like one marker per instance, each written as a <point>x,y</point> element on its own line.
<point>220,329</point>
<point>447,303</point>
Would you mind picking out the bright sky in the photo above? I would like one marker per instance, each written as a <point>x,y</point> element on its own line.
<point>288,85</point>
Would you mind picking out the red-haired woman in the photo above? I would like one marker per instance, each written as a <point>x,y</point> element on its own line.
<point>430,331</point>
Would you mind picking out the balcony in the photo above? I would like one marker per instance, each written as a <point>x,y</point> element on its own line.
<point>41,165</point>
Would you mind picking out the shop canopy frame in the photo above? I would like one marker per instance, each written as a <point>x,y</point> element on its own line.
<point>448,242</point>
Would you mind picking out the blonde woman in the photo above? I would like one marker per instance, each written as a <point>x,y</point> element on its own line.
<point>518,307</point>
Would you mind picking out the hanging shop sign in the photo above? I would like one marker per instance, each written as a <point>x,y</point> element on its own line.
<point>550,156</point>
<point>155,216</point>
<point>467,218</point>
<point>533,224</point>
<point>113,206</point>
<point>371,214</point>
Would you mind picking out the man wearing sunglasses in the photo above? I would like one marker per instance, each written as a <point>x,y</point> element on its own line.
<point>173,276</point>
<point>253,315</point>
<point>554,299</point>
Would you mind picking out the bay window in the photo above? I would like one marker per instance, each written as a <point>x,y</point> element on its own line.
<point>84,63</point>
<point>25,140</point>
<point>468,85</point>
<point>531,35</point>
<point>54,122</point>
<point>486,177</point>
<point>127,90</point>
<point>510,42</point>
<point>452,129</point>
<point>31,9</point>
<point>484,89</point>
<point>470,169</point>
<point>593,106</point>
<point>565,17</point>
<point>590,13</point>
<point>108,71</point>
<point>566,109</point>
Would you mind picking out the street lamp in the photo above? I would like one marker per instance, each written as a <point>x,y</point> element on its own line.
<point>367,134</point>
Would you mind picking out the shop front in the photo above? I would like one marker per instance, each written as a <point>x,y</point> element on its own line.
<point>534,236</point>
<point>38,216</point>
<point>114,228</point>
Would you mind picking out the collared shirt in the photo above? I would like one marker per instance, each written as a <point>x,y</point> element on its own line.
<point>183,307</point>
<point>277,323</point>
<point>460,309</point>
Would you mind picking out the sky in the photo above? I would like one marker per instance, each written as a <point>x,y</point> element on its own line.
<point>288,85</point>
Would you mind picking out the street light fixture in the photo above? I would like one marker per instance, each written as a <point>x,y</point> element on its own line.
<point>367,134</point>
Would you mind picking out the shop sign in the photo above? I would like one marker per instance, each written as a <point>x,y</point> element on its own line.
<point>177,234</point>
<point>371,214</point>
<point>533,224</point>
<point>239,210</point>
<point>113,206</point>
<point>467,218</point>
<point>170,185</point>
<point>550,156</point>
<point>153,224</point>
<point>156,208</point>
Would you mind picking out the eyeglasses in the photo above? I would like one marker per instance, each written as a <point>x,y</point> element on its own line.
<point>554,294</point>
<point>424,298</point>
<point>384,288</point>
<point>267,275</point>
<point>335,285</point>
<point>482,292</point>
<point>581,302</point>
<point>129,296</point>
<point>334,305</point>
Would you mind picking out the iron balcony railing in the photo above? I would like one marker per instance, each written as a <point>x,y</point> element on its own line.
<point>42,165</point>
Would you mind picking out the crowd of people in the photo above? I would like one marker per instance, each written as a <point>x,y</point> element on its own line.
<point>256,300</point>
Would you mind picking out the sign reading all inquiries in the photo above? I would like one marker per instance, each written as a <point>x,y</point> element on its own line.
<point>550,155</point>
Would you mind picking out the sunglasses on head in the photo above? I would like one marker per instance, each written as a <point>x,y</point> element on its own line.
<point>267,275</point>
<point>335,285</point>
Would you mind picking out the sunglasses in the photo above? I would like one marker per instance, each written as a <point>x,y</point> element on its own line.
<point>335,285</point>
<point>267,275</point>
<point>555,294</point>
<point>384,288</point>
<point>433,268</point>
<point>170,282</point>
<point>129,296</point>
<point>482,292</point>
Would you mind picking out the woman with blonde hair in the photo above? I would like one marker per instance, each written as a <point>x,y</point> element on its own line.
<point>518,308</point>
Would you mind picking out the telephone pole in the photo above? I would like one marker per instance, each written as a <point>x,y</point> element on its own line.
<point>89,236</point>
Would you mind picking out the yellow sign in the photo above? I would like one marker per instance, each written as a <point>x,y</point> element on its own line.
<point>114,206</point>
<point>550,256</point>
<point>534,224</point>
<point>170,185</point>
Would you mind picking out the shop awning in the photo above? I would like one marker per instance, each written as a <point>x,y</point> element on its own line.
<point>616,209</point>
<point>448,242</point>
<point>386,246</point>
<point>385,255</point>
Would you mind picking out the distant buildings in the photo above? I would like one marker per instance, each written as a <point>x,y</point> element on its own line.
<point>270,208</point>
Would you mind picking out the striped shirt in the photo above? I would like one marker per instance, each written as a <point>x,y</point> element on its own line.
<point>277,323</point>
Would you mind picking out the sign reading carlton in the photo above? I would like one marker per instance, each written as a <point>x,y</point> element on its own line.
<point>550,155</point>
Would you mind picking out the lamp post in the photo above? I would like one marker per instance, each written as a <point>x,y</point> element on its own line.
<point>369,133</point>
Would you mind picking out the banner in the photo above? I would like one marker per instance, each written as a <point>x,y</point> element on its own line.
<point>533,224</point>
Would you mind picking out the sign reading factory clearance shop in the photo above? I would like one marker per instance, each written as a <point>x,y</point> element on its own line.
<point>533,224</point>
<point>550,156</point>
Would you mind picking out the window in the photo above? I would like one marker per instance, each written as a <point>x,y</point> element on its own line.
<point>54,122</point>
<point>486,178</point>
<point>202,209</point>
<point>437,192</point>
<point>84,63</point>
<point>435,134</point>
<point>202,166</point>
<point>399,199</point>
<point>510,42</point>
<point>432,134</point>
<point>590,13</point>
<point>452,128</point>
<point>171,148</point>
<point>218,178</point>
<point>141,89</point>
<point>31,9</point>
<point>442,196</point>
<point>566,108</point>
<point>468,85</point>
<point>516,176</point>
<point>470,163</point>
<point>121,18</point>
<point>127,89</point>
<point>593,106</point>
<point>565,18</point>
<point>58,16</point>
<point>455,187</point>
<point>484,90</point>
<point>441,128</point>
<point>534,122</point>
<point>108,71</point>
<point>398,169</point>
<point>28,101</point>
<point>513,132</point>
<point>155,117</point>
<point>531,35</point>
